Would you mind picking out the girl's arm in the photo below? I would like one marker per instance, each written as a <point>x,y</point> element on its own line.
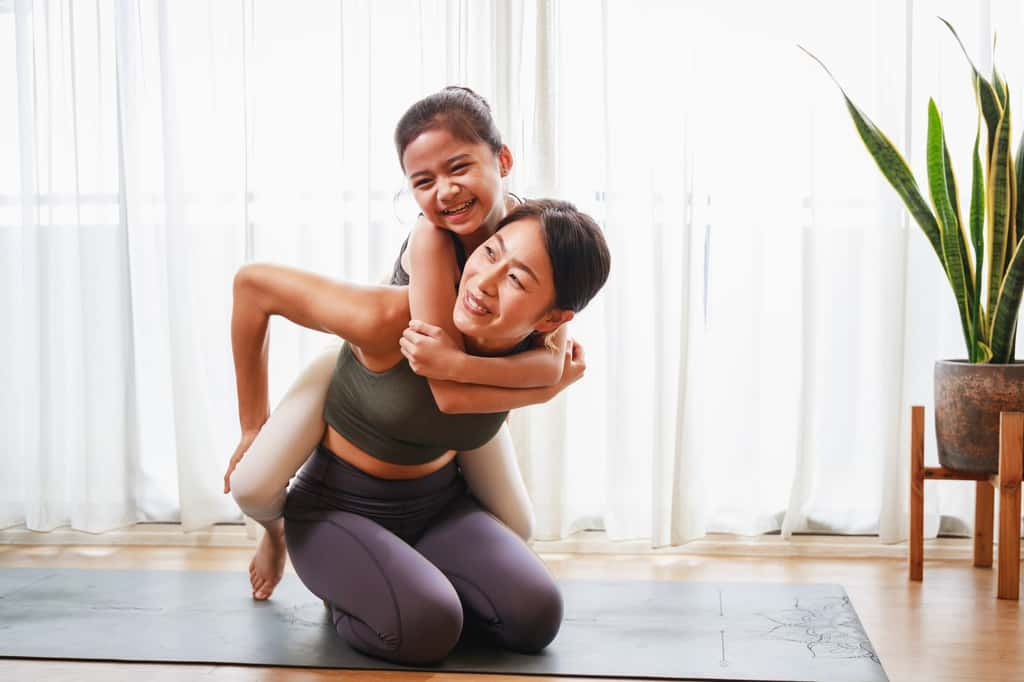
<point>434,355</point>
<point>475,398</point>
<point>369,317</point>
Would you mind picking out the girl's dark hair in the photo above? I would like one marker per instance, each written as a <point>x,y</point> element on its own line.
<point>579,254</point>
<point>460,111</point>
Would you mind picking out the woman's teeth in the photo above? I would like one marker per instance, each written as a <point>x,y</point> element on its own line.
<point>459,209</point>
<point>475,307</point>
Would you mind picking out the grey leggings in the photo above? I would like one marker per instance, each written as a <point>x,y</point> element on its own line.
<point>406,565</point>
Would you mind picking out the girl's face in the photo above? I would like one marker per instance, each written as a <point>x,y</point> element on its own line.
<point>507,289</point>
<point>457,184</point>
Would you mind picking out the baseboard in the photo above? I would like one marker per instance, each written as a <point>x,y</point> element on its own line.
<point>584,542</point>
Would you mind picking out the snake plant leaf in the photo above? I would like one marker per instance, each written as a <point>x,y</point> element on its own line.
<point>1002,91</point>
<point>988,99</point>
<point>954,200</point>
<point>951,235</point>
<point>982,352</point>
<point>1011,223</point>
<point>893,166</point>
<point>1018,167</point>
<point>1004,318</point>
<point>977,220</point>
<point>999,199</point>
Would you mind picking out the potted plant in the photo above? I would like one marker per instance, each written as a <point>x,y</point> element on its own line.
<point>969,393</point>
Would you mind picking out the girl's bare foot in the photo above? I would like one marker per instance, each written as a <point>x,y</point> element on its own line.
<point>267,565</point>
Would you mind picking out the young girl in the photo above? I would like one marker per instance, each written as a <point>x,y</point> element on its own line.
<point>451,151</point>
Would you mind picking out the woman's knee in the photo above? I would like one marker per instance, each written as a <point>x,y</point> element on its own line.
<point>427,629</point>
<point>431,629</point>
<point>533,617</point>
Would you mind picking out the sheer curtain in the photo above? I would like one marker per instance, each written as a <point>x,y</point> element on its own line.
<point>153,148</point>
<point>770,315</point>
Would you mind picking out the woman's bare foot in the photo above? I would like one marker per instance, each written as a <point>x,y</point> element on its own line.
<point>267,565</point>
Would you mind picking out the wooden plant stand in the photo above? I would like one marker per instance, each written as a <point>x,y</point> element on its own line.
<point>1007,481</point>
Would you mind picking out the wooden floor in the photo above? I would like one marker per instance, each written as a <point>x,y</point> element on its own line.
<point>948,628</point>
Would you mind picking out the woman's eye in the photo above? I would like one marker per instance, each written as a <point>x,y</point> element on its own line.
<point>519,285</point>
<point>461,167</point>
<point>421,184</point>
<point>490,252</point>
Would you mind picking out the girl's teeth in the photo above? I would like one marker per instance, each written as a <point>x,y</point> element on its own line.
<point>460,209</point>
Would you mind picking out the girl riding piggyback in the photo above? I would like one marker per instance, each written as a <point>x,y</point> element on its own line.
<point>451,151</point>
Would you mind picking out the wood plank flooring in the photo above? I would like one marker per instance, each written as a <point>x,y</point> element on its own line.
<point>950,628</point>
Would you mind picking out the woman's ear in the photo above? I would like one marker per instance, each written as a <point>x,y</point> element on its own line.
<point>553,320</point>
<point>504,160</point>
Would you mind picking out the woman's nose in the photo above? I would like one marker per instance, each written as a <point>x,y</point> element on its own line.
<point>489,277</point>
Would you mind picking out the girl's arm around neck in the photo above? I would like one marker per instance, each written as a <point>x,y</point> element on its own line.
<point>476,399</point>
<point>534,368</point>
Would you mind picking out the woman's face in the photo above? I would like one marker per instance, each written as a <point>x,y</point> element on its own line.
<point>507,289</point>
<point>457,184</point>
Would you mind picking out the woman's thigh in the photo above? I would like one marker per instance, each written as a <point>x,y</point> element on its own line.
<point>387,599</point>
<point>504,586</point>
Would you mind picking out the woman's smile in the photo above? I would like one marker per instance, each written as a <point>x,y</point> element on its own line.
<point>474,305</point>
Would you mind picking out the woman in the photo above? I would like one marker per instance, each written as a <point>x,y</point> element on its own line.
<point>451,151</point>
<point>378,522</point>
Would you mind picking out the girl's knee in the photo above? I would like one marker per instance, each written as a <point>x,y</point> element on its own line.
<point>256,499</point>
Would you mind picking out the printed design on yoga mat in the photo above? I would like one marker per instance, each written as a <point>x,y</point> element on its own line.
<point>828,627</point>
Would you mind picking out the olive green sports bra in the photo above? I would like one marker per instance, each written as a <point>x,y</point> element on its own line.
<point>392,414</point>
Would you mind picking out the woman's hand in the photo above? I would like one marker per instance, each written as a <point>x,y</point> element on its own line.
<point>243,445</point>
<point>430,351</point>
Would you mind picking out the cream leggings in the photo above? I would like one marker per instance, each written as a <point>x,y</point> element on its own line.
<point>260,481</point>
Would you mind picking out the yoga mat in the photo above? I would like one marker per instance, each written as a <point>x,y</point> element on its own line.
<point>668,630</point>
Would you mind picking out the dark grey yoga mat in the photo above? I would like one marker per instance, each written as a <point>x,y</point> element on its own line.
<point>674,630</point>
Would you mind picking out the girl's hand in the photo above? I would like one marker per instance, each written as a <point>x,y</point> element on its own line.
<point>575,364</point>
<point>243,445</point>
<point>430,351</point>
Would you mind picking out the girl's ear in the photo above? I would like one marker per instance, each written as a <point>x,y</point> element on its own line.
<point>553,320</point>
<point>504,160</point>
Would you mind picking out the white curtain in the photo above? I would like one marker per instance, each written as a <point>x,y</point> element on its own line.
<point>770,316</point>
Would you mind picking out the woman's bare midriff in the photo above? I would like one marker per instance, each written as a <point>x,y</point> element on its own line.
<point>367,463</point>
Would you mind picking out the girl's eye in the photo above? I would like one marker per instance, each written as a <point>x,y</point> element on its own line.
<point>519,285</point>
<point>490,252</point>
<point>421,184</point>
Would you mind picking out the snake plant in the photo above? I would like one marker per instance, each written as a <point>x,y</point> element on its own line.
<point>990,322</point>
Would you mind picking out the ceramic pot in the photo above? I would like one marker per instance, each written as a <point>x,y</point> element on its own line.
<point>968,400</point>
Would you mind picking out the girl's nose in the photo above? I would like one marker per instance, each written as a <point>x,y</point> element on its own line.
<point>447,190</point>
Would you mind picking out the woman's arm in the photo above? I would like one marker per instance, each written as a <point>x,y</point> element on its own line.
<point>369,317</point>
<point>475,398</point>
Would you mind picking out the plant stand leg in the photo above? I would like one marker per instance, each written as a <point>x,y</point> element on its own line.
<point>916,492</point>
<point>1011,461</point>
<point>984,503</point>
